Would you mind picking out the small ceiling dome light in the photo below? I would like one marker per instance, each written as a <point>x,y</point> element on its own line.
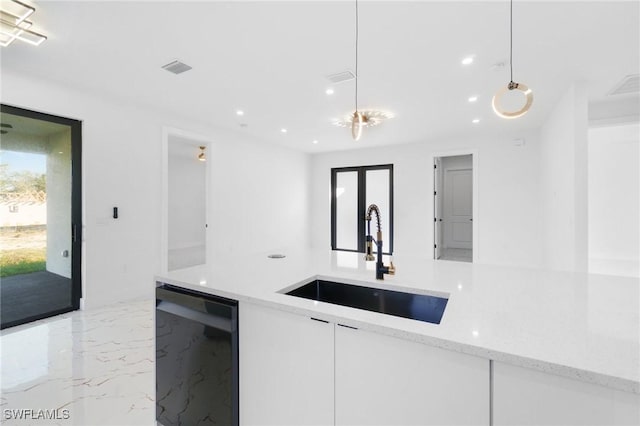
<point>202,156</point>
<point>526,91</point>
<point>240,112</point>
<point>468,60</point>
<point>329,91</point>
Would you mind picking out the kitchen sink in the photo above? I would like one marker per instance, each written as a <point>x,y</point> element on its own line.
<point>419,307</point>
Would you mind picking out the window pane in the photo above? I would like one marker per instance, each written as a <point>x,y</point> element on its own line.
<point>347,210</point>
<point>378,194</point>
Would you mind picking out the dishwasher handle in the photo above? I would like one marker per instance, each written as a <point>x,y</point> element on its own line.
<point>219,323</point>
<point>209,310</point>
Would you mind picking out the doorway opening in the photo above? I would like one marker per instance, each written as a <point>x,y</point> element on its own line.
<point>40,215</point>
<point>453,208</point>
<point>186,174</point>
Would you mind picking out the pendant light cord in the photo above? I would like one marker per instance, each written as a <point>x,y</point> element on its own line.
<point>511,39</point>
<point>357,33</point>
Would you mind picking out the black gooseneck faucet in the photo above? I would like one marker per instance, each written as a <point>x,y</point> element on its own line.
<point>381,269</point>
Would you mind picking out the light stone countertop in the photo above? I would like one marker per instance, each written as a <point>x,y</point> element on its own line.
<point>576,325</point>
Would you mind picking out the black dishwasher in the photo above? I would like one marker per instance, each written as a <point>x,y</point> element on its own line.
<point>196,358</point>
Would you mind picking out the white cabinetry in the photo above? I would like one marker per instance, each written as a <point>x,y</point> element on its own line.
<point>286,368</point>
<point>381,380</point>
<point>287,376</point>
<point>526,397</point>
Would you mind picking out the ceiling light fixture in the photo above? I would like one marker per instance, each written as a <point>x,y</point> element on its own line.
<point>19,10</point>
<point>468,60</point>
<point>512,85</point>
<point>475,120</point>
<point>283,130</point>
<point>357,119</point>
<point>329,91</point>
<point>240,112</point>
<point>370,118</point>
<point>14,26</point>
<point>315,142</point>
<point>202,156</point>
<point>473,98</point>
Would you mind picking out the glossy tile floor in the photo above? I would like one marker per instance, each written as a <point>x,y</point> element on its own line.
<point>459,255</point>
<point>93,367</point>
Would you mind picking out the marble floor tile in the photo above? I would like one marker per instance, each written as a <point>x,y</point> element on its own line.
<point>93,367</point>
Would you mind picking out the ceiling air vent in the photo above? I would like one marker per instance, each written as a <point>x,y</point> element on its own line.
<point>341,76</point>
<point>176,67</point>
<point>629,84</point>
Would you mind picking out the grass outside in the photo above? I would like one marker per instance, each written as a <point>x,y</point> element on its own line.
<point>22,251</point>
<point>22,261</point>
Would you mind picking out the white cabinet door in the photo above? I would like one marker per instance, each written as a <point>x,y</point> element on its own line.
<point>526,397</point>
<point>382,380</point>
<point>286,368</point>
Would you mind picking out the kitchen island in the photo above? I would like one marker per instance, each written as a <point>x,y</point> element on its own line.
<point>566,344</point>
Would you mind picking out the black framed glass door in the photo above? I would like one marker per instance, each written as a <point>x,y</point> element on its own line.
<point>40,215</point>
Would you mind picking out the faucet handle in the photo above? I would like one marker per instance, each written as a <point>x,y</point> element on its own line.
<point>392,268</point>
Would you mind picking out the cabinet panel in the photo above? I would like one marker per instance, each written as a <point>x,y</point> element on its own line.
<point>526,397</point>
<point>382,380</point>
<point>286,368</point>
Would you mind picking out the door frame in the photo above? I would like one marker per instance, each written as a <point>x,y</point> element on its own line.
<point>167,133</point>
<point>474,209</point>
<point>76,205</point>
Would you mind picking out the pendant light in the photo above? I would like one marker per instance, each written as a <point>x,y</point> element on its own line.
<point>357,121</point>
<point>497,108</point>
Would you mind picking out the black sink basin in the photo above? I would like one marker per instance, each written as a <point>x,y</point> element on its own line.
<point>407,305</point>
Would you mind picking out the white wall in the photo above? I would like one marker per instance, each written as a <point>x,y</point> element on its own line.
<point>614,200</point>
<point>259,198</point>
<point>563,183</point>
<point>260,191</point>
<point>59,203</point>
<point>507,185</point>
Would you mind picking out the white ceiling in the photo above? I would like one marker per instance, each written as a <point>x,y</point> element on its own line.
<point>271,58</point>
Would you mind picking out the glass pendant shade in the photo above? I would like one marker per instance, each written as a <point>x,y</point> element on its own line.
<point>497,98</point>
<point>356,126</point>
<point>496,102</point>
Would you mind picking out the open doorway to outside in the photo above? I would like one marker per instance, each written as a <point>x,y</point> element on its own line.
<point>40,215</point>
<point>453,208</point>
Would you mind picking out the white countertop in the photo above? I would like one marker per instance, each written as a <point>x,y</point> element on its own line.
<point>576,325</point>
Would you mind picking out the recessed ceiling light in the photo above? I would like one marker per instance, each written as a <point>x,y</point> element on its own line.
<point>329,91</point>
<point>475,120</point>
<point>240,112</point>
<point>468,60</point>
<point>473,98</point>
<point>315,142</point>
<point>283,130</point>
